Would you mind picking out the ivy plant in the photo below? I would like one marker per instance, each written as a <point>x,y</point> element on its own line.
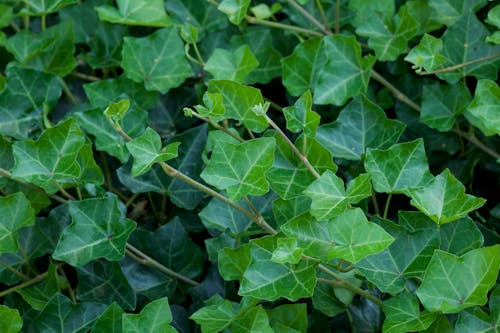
<point>249,166</point>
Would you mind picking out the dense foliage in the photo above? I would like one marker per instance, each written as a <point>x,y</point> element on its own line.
<point>249,166</point>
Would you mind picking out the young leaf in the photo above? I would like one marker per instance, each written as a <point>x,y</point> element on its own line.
<point>138,12</point>
<point>99,230</point>
<point>287,251</point>
<point>232,263</point>
<point>329,197</point>
<point>234,9</point>
<point>157,60</point>
<point>443,199</point>
<point>427,54</point>
<point>408,167</point>
<point>348,236</point>
<point>110,320</point>
<point>154,317</point>
<point>234,66</point>
<point>15,213</point>
<point>116,111</point>
<point>247,162</point>
<point>146,151</point>
<point>11,320</point>
<point>215,317</point>
<point>403,315</point>
<point>453,283</point>
<point>484,109</point>
<point>301,117</point>
<point>360,125</point>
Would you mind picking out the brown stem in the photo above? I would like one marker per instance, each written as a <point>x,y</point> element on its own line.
<point>464,64</point>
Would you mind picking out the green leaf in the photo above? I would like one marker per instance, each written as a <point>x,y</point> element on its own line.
<point>427,54</point>
<point>483,111</point>
<point>348,236</point>
<point>253,320</point>
<point>110,320</point>
<point>104,280</point>
<point>403,315</point>
<point>441,105</point>
<point>44,7</point>
<point>50,51</point>
<point>38,295</point>
<point>460,237</point>
<point>27,94</point>
<point>146,151</point>
<point>475,320</point>
<point>330,198</point>
<point>448,12</point>
<point>247,162</point>
<point>324,298</point>
<point>149,13</point>
<point>399,168</point>
<point>54,159</point>
<point>287,251</point>
<point>360,125</point>
<point>285,210</point>
<point>363,10</point>
<point>443,199</point>
<point>294,316</point>
<point>301,117</point>
<point>15,213</point>
<point>11,320</point>
<point>60,312</point>
<point>157,60</point>
<point>155,317</point>
<point>215,317</point>
<point>239,101</point>
<point>234,9</point>
<point>453,283</point>
<point>99,230</point>
<point>203,15</point>
<point>116,111</point>
<point>265,279</point>
<point>494,16</point>
<point>234,66</point>
<point>232,263</point>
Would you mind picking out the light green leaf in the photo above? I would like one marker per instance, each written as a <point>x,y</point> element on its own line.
<point>11,320</point>
<point>110,320</point>
<point>265,279</point>
<point>157,60</point>
<point>360,125</point>
<point>301,117</point>
<point>154,317</point>
<point>99,230</point>
<point>232,263</point>
<point>116,111</point>
<point>484,110</point>
<point>214,318</point>
<point>15,213</point>
<point>494,38</point>
<point>234,66</point>
<point>349,236</point>
<point>214,106</point>
<point>239,101</point>
<point>330,198</point>
<point>253,320</point>
<point>403,315</point>
<point>104,280</point>
<point>441,105</point>
<point>427,54</point>
<point>234,9</point>
<point>146,151</point>
<point>44,7</point>
<point>60,312</point>
<point>136,12</point>
<point>27,94</point>
<point>399,168</point>
<point>494,16</point>
<point>452,284</point>
<point>448,12</point>
<point>443,199</point>
<point>240,168</point>
<point>287,251</point>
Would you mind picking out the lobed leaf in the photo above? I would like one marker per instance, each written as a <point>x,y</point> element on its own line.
<point>137,12</point>
<point>15,213</point>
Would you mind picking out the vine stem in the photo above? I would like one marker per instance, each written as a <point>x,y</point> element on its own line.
<point>387,204</point>
<point>464,64</point>
<point>146,260</point>
<point>311,18</point>
<point>323,15</point>
<point>215,125</point>
<point>23,285</point>
<point>474,140</point>
<point>85,77</point>
<point>254,20</point>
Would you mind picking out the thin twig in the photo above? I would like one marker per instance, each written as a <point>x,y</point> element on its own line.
<point>337,17</point>
<point>254,20</point>
<point>387,204</point>
<point>475,141</point>
<point>23,285</point>
<point>15,271</point>
<point>86,77</point>
<point>395,91</point>
<point>323,15</point>
<point>311,18</point>
<point>217,126</point>
<point>464,64</point>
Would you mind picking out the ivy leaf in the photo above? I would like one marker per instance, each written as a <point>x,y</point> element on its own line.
<point>234,66</point>
<point>154,317</point>
<point>146,151</point>
<point>287,251</point>
<point>449,12</point>
<point>441,105</point>
<point>156,60</point>
<point>215,317</point>
<point>234,9</point>
<point>27,93</point>
<point>476,319</point>
<point>248,160</point>
<point>294,316</point>
<point>38,295</point>
<point>15,213</point>
<point>348,236</point>
<point>427,54</point>
<point>301,117</point>
<point>238,101</point>
<point>104,280</point>
<point>69,317</point>
<point>11,320</point>
<point>443,199</point>
<point>110,320</point>
<point>453,283</point>
<point>99,230</point>
<point>265,279</point>
<point>232,263</point>
<point>460,237</point>
<point>138,12</point>
<point>202,15</point>
<point>483,111</point>
<point>403,315</point>
<point>117,110</point>
<point>360,125</point>
<point>41,7</point>
<point>408,168</point>
<point>330,198</point>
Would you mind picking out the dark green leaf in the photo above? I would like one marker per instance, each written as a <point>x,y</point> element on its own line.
<point>110,320</point>
<point>403,315</point>
<point>38,295</point>
<point>253,320</point>
<point>216,316</point>
<point>293,316</point>
<point>233,262</point>
<point>155,317</point>
<point>15,213</point>
<point>138,12</point>
<point>449,11</point>
<point>460,237</point>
